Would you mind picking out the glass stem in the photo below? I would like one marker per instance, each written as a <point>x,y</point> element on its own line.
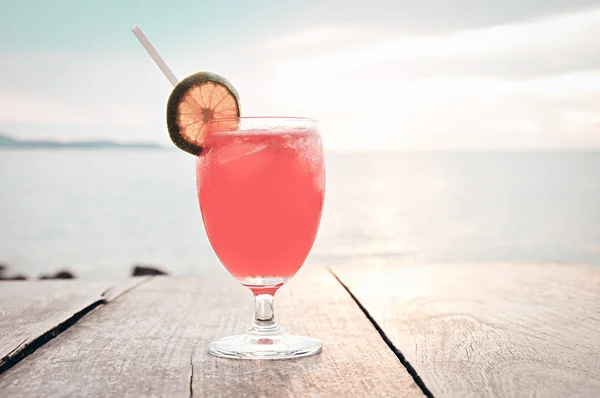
<point>264,315</point>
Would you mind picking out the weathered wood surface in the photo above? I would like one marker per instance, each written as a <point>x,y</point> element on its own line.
<point>151,342</point>
<point>33,312</point>
<point>495,330</point>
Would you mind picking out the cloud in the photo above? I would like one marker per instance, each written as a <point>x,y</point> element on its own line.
<point>532,84</point>
<point>75,95</point>
<point>394,91</point>
<point>417,17</point>
<point>322,37</point>
<point>18,108</point>
<point>571,33</point>
<point>452,113</point>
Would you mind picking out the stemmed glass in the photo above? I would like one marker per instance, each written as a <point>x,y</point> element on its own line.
<point>261,184</point>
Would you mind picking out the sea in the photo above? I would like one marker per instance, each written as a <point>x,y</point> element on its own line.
<point>99,212</point>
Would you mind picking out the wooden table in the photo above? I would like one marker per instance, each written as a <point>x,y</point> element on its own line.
<point>494,330</point>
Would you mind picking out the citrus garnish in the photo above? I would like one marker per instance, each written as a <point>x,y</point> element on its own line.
<point>195,102</point>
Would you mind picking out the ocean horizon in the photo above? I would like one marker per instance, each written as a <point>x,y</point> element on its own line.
<point>98,212</point>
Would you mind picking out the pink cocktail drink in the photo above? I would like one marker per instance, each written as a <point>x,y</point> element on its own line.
<point>261,183</point>
<point>261,196</point>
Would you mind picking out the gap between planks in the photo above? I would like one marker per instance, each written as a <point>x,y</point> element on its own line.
<point>106,297</point>
<point>409,368</point>
<point>192,374</point>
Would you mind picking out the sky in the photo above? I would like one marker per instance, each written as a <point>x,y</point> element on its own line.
<point>378,75</point>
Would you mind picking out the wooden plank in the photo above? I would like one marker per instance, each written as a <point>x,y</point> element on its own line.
<point>152,342</point>
<point>498,330</point>
<point>31,313</point>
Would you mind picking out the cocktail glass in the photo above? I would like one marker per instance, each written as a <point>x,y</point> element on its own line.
<point>261,185</point>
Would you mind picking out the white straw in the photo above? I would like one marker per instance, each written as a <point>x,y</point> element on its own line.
<point>137,31</point>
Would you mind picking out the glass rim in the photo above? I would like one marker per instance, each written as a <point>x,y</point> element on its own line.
<point>235,125</point>
<point>269,118</point>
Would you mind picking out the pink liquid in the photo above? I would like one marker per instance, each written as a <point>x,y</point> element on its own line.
<point>261,197</point>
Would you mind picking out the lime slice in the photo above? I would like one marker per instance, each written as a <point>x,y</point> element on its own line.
<point>194,103</point>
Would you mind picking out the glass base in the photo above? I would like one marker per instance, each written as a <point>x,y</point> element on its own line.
<point>274,344</point>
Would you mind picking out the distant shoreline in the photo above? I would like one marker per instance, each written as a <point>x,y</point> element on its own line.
<point>7,142</point>
<point>77,147</point>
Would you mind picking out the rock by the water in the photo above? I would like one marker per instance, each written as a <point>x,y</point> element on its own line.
<point>17,277</point>
<point>143,270</point>
<point>64,274</point>
<point>4,277</point>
